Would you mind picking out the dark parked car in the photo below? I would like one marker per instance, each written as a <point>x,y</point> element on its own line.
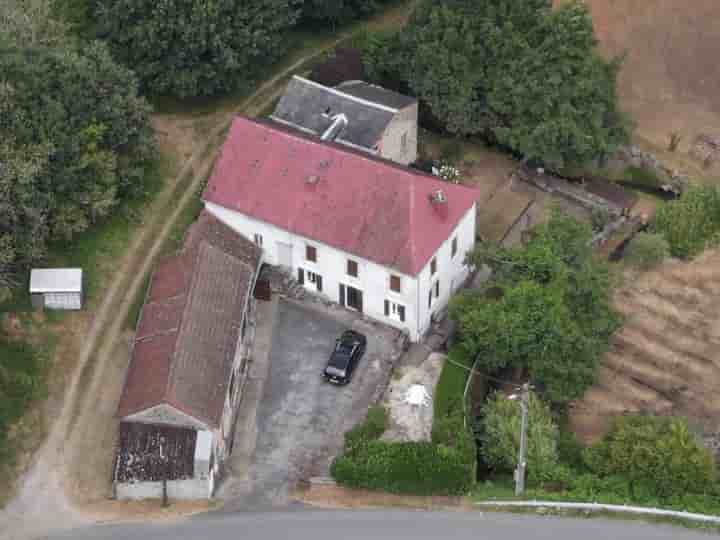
<point>349,348</point>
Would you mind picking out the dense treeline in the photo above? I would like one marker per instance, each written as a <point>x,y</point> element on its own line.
<point>75,136</point>
<point>521,74</point>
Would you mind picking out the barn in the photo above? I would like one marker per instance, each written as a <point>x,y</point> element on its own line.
<point>56,288</point>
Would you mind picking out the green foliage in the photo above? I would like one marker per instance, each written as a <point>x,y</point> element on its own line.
<point>418,468</point>
<point>691,223</point>
<point>641,177</point>
<point>647,250</point>
<point>75,139</point>
<point>519,73</point>
<point>500,435</point>
<point>339,11</point>
<point>656,454</point>
<point>451,384</point>
<point>22,379</point>
<point>553,317</point>
<point>444,466</point>
<point>600,218</point>
<point>195,48</point>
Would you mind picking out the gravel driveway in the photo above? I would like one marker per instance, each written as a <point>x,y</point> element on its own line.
<point>300,418</point>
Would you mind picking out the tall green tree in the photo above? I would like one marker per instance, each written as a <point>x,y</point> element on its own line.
<point>195,47</point>
<point>553,315</point>
<point>519,73</point>
<point>338,11</point>
<point>75,138</point>
<point>500,434</point>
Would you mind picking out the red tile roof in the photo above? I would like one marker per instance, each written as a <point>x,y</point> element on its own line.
<point>346,199</point>
<point>188,330</point>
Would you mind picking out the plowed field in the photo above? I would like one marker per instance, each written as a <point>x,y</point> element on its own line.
<point>666,358</point>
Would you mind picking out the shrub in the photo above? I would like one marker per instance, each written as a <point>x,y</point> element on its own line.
<point>599,219</point>
<point>642,177</point>
<point>418,468</point>
<point>691,223</point>
<point>647,250</point>
<point>500,435</point>
<point>656,454</point>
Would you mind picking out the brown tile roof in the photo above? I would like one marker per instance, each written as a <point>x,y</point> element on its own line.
<point>189,327</point>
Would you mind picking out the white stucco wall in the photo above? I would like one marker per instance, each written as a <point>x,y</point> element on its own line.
<point>405,123</point>
<point>373,279</point>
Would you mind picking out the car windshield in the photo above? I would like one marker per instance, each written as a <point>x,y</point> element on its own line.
<point>337,372</point>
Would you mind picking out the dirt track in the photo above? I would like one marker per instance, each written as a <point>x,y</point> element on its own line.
<point>666,358</point>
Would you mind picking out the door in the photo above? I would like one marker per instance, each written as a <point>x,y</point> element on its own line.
<point>354,298</point>
<point>62,300</point>
<point>284,254</point>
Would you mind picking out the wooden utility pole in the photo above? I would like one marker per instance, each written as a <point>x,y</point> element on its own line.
<point>522,454</point>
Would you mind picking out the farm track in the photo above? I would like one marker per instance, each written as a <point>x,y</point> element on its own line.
<point>666,358</point>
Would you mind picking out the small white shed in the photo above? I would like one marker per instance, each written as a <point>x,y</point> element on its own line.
<point>56,288</point>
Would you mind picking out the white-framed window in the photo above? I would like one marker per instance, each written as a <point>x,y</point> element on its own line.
<point>395,283</point>
<point>403,142</point>
<point>258,239</point>
<point>454,247</point>
<point>433,293</point>
<point>393,310</point>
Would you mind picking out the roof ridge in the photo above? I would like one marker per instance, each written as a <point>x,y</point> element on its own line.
<point>346,96</point>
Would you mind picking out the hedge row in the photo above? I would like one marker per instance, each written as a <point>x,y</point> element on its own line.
<point>417,468</point>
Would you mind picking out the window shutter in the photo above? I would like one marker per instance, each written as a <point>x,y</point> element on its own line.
<point>301,276</point>
<point>401,312</point>
<point>360,303</point>
<point>342,295</point>
<point>319,282</point>
<point>387,308</point>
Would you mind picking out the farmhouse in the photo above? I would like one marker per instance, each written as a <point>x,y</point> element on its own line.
<point>56,288</point>
<point>376,237</point>
<point>356,114</point>
<point>188,366</point>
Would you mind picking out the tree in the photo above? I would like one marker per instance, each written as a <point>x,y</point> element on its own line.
<point>30,23</point>
<point>552,317</point>
<point>500,435</point>
<point>195,47</point>
<point>75,138</point>
<point>519,73</point>
<point>338,11</point>
<point>659,453</point>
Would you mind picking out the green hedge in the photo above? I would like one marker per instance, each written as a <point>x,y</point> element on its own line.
<point>444,466</point>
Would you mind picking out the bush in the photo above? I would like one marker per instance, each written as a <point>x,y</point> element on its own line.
<point>599,219</point>
<point>418,468</point>
<point>691,223</point>
<point>643,177</point>
<point>500,435</point>
<point>647,250</point>
<point>657,455</point>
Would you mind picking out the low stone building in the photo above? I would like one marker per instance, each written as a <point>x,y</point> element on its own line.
<point>354,113</point>
<point>188,366</point>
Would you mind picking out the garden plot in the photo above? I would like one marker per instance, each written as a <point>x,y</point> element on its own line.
<point>409,400</point>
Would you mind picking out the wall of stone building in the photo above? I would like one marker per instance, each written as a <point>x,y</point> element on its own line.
<point>190,489</point>
<point>400,140</point>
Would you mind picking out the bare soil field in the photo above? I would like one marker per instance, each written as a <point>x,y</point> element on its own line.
<point>670,76</point>
<point>666,358</point>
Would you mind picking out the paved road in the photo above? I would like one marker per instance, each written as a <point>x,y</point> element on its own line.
<point>386,524</point>
<point>300,420</point>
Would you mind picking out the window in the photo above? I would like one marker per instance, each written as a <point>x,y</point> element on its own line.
<point>395,283</point>
<point>437,289</point>
<point>311,253</point>
<point>433,266</point>
<point>453,247</point>
<point>258,239</point>
<point>403,142</point>
<point>395,311</point>
<point>352,268</point>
